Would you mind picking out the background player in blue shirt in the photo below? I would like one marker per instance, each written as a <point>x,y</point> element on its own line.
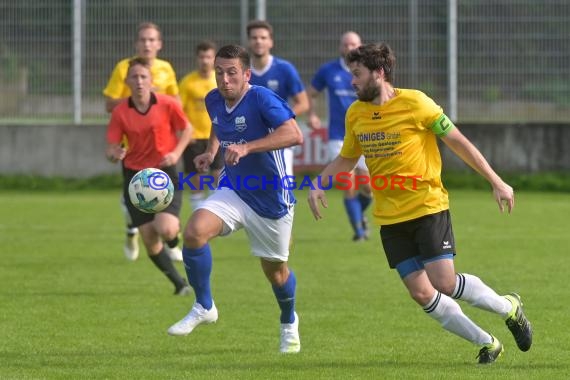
<point>335,77</point>
<point>252,125</point>
<point>275,73</point>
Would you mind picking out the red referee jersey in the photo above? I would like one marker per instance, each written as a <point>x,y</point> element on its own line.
<point>151,135</point>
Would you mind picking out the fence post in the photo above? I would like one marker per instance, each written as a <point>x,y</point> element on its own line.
<point>452,59</point>
<point>260,9</point>
<point>413,22</point>
<point>77,60</point>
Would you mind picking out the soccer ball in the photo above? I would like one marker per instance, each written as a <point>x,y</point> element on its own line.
<point>151,190</point>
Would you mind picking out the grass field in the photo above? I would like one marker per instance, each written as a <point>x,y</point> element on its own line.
<point>72,307</point>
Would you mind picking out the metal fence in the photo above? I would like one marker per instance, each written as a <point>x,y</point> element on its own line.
<point>506,61</point>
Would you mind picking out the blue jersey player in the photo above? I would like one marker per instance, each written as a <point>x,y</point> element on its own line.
<point>275,73</point>
<point>252,125</point>
<point>335,77</point>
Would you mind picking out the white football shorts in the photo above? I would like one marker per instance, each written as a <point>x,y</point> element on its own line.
<point>268,238</point>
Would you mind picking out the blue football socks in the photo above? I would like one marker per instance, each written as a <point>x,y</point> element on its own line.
<point>286,298</point>
<point>198,265</point>
<point>354,211</point>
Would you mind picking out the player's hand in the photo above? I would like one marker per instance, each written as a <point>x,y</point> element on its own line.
<point>116,153</point>
<point>504,195</point>
<point>203,161</point>
<point>317,196</point>
<point>234,153</point>
<point>169,159</point>
<point>314,122</point>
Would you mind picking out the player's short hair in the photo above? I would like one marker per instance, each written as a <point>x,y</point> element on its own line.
<point>375,57</point>
<point>149,25</point>
<point>205,46</point>
<point>235,51</point>
<point>259,24</point>
<point>139,61</point>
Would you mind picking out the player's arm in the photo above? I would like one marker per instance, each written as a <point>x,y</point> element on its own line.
<point>213,145</point>
<point>314,122</point>
<point>115,152</point>
<point>317,194</point>
<point>300,103</point>
<point>286,135</point>
<point>465,150</point>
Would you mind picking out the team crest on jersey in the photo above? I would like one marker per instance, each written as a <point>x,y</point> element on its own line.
<point>337,78</point>
<point>240,124</point>
<point>273,84</point>
<point>376,116</point>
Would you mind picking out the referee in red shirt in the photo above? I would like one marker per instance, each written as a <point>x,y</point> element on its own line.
<point>158,132</point>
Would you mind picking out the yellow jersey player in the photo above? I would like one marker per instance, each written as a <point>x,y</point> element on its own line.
<point>193,90</point>
<point>396,130</point>
<point>147,45</point>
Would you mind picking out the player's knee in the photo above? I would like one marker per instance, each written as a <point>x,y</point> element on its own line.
<point>169,233</point>
<point>276,272</point>
<point>194,237</point>
<point>421,296</point>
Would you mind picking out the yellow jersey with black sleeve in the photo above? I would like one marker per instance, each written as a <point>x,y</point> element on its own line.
<point>193,90</point>
<point>398,141</point>
<point>163,79</point>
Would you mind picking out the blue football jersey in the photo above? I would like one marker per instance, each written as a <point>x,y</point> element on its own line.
<point>257,178</point>
<point>280,76</point>
<point>335,77</point>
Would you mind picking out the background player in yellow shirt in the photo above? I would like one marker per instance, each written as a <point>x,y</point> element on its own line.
<point>147,45</point>
<point>193,90</point>
<point>396,129</point>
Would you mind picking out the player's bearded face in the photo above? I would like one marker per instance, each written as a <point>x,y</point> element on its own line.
<point>368,91</point>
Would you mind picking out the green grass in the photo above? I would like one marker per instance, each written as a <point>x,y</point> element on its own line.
<point>72,307</point>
